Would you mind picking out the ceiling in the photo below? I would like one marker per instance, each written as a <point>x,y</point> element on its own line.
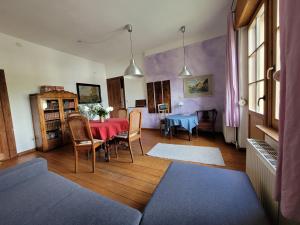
<point>60,24</point>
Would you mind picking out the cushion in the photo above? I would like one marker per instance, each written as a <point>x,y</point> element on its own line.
<point>196,195</point>
<point>89,142</point>
<point>51,199</point>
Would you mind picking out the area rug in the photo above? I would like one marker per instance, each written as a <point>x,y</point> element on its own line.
<point>200,154</point>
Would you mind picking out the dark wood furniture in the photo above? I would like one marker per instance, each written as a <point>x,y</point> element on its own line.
<point>7,137</point>
<point>158,92</point>
<point>116,94</point>
<point>207,120</point>
<point>82,138</point>
<point>134,132</point>
<point>49,115</point>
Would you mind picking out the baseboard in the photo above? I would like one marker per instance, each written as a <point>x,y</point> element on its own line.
<point>27,152</point>
<point>150,128</point>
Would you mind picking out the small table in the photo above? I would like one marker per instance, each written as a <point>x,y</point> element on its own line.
<point>188,122</point>
<point>107,130</point>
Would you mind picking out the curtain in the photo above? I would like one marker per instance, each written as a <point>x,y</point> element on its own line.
<point>288,168</point>
<point>232,113</point>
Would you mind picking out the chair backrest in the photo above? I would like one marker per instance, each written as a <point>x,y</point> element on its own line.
<point>135,122</point>
<point>163,110</point>
<point>80,129</point>
<point>73,114</point>
<point>207,115</point>
<point>122,113</point>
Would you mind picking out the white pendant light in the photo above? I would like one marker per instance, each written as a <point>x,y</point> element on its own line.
<point>185,71</point>
<point>132,71</point>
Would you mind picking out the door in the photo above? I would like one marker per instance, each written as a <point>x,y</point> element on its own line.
<point>7,139</point>
<point>256,73</point>
<point>116,94</point>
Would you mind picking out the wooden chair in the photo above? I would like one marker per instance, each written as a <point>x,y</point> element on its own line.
<point>71,114</point>
<point>163,110</point>
<point>207,120</point>
<point>134,133</point>
<point>82,138</point>
<point>122,113</point>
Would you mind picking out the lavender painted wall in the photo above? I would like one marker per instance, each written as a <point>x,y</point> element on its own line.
<point>207,57</point>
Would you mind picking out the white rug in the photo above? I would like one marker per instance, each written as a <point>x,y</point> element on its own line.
<point>206,155</point>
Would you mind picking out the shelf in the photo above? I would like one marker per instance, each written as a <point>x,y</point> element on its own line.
<point>272,133</point>
<point>52,120</point>
<point>50,110</point>
<point>54,129</point>
<point>72,108</point>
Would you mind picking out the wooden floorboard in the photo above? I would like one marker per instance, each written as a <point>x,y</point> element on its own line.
<point>121,180</point>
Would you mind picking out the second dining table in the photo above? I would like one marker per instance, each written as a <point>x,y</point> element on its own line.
<point>108,129</point>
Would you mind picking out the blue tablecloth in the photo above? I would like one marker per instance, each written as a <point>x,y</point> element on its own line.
<point>188,122</point>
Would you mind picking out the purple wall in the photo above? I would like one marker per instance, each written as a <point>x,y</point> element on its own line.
<point>207,57</point>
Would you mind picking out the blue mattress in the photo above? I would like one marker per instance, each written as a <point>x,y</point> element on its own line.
<point>196,195</point>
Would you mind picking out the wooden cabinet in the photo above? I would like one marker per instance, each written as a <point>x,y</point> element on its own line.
<point>49,114</point>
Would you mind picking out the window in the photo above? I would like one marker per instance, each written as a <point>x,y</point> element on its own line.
<point>277,65</point>
<point>256,62</point>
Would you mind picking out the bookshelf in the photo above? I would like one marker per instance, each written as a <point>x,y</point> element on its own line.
<point>49,114</point>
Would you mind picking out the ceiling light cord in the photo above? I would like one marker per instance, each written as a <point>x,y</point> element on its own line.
<point>131,48</point>
<point>183,47</point>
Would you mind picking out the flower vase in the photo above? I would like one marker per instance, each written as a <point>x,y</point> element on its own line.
<point>102,119</point>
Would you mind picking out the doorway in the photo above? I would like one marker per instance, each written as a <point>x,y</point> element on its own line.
<point>116,94</point>
<point>7,138</point>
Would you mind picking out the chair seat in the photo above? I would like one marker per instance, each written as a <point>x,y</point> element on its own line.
<point>96,141</point>
<point>124,135</point>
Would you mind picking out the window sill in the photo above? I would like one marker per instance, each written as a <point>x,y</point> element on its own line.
<point>272,133</point>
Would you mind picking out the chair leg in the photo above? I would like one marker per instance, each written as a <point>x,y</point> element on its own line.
<point>76,160</point>
<point>141,146</point>
<point>129,146</point>
<point>94,158</point>
<point>116,149</point>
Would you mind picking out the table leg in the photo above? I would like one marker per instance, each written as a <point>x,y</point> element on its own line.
<point>107,156</point>
<point>170,132</point>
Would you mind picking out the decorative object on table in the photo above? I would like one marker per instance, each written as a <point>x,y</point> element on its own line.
<point>158,92</point>
<point>95,111</point>
<point>132,70</point>
<point>134,132</point>
<point>82,138</point>
<point>180,106</point>
<point>163,110</point>
<point>47,88</point>
<point>88,93</point>
<point>198,86</point>
<point>207,120</point>
<point>49,113</point>
<point>185,71</point>
<point>140,103</point>
<point>206,155</point>
<point>181,122</point>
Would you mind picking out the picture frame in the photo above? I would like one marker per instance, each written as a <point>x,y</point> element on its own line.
<point>88,93</point>
<point>198,86</point>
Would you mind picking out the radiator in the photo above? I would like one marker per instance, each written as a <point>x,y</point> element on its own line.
<point>261,161</point>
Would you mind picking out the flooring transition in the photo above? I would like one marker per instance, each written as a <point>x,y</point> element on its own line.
<point>131,184</point>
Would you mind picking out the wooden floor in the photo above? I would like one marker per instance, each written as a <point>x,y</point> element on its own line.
<point>129,183</point>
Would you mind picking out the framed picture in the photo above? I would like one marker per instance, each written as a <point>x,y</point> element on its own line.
<point>88,93</point>
<point>197,86</point>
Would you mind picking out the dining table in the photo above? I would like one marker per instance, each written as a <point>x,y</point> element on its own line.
<point>186,121</point>
<point>107,130</point>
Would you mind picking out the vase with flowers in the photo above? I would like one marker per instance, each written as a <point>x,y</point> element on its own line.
<point>95,111</point>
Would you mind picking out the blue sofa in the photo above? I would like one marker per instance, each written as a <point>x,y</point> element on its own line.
<point>187,194</point>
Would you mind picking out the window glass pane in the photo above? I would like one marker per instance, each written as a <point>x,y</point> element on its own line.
<point>261,63</point>
<point>277,91</point>
<point>252,94</point>
<point>252,68</point>
<point>278,50</point>
<point>260,92</point>
<point>251,38</point>
<point>260,27</point>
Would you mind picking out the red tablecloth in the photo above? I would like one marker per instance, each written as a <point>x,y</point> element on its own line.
<point>108,129</point>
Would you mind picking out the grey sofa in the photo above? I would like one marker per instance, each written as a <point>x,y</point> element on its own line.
<point>188,194</point>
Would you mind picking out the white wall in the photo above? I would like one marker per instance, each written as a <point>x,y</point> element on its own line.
<point>243,85</point>
<point>27,66</point>
<point>134,88</point>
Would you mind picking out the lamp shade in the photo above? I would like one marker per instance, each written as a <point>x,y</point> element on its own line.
<point>133,70</point>
<point>185,72</point>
